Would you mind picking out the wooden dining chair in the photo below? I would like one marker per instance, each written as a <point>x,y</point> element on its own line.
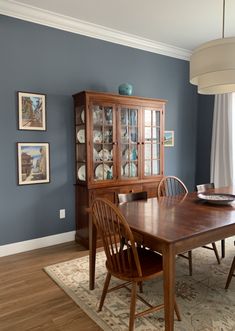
<point>173,186</point>
<point>231,273</point>
<point>203,188</point>
<point>128,197</point>
<point>131,264</point>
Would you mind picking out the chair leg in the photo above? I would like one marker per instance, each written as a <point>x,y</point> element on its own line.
<point>177,311</point>
<point>105,289</point>
<point>223,248</point>
<point>190,261</point>
<point>216,252</point>
<point>231,273</point>
<point>133,304</point>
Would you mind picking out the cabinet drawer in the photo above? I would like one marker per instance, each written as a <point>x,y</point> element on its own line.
<point>130,189</point>
<point>100,193</point>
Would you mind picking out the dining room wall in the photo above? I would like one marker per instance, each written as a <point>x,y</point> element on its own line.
<point>204,138</point>
<point>45,60</point>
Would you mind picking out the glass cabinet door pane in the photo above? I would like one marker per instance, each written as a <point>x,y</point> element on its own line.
<point>156,118</point>
<point>129,142</point>
<point>156,167</point>
<point>147,117</point>
<point>156,151</point>
<point>108,115</point>
<point>147,168</point>
<point>134,153</point>
<point>133,117</point>
<point>148,134</point>
<point>156,134</point>
<point>152,136</point>
<point>133,135</point>
<point>125,135</point>
<point>124,116</point>
<point>125,153</point>
<point>147,151</point>
<point>102,117</point>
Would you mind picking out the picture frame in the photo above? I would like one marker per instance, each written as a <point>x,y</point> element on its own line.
<point>31,111</point>
<point>33,163</point>
<point>169,138</point>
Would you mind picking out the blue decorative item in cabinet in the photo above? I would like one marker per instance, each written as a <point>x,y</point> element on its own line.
<point>125,89</point>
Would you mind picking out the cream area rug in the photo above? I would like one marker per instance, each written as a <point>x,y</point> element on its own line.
<point>204,303</point>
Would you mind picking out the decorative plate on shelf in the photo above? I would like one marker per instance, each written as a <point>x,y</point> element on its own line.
<point>95,155</point>
<point>124,135</point>
<point>104,155</point>
<point>122,170</point>
<point>97,137</point>
<point>83,116</point>
<point>125,154</point>
<point>82,173</point>
<point>217,198</point>
<point>81,136</point>
<point>97,115</point>
<point>108,136</point>
<point>102,171</point>
<point>133,170</point>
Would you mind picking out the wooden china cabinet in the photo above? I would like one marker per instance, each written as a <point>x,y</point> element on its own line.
<point>119,149</point>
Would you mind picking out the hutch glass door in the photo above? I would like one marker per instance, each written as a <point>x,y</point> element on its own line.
<point>103,138</point>
<point>152,142</point>
<point>128,130</point>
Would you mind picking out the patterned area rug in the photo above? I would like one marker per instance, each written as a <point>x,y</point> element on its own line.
<point>203,302</point>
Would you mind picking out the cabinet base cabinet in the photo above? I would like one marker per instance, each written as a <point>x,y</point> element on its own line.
<point>85,196</point>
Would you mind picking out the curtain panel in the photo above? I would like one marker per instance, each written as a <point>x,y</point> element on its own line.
<point>222,147</point>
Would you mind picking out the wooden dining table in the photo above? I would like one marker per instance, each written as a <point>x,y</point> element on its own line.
<point>173,225</point>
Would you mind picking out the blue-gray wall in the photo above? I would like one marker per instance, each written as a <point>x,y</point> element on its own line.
<point>41,59</point>
<point>204,136</point>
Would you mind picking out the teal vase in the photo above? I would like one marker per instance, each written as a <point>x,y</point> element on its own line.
<point>125,89</point>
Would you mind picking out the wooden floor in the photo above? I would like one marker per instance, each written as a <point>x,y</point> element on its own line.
<point>30,300</point>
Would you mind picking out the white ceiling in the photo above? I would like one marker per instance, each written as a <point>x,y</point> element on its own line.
<point>184,24</point>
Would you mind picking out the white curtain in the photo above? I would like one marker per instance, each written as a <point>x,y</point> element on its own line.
<point>222,148</point>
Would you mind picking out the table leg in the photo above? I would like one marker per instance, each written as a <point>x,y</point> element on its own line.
<point>169,286</point>
<point>92,253</point>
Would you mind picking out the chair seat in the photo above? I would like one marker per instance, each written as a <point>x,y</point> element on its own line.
<point>150,262</point>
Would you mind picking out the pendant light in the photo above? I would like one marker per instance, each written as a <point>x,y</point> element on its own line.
<point>212,65</point>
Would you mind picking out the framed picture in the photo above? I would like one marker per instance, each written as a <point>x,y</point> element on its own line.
<point>169,138</point>
<point>32,111</point>
<point>33,163</point>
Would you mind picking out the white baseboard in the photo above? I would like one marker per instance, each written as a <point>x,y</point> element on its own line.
<point>29,245</point>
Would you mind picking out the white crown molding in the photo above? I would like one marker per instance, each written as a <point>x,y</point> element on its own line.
<point>58,21</point>
<point>29,245</point>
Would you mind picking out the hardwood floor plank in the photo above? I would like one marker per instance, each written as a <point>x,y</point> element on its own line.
<point>30,300</point>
